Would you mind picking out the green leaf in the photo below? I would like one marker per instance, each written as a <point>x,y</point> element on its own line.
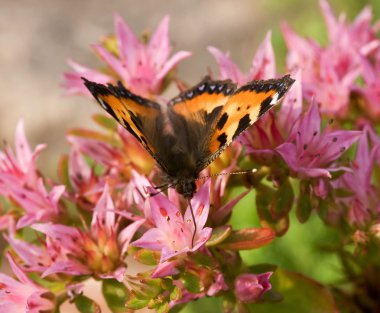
<point>86,305</point>
<point>147,257</point>
<point>264,196</point>
<point>248,238</point>
<point>304,208</point>
<point>282,201</point>
<point>162,307</point>
<point>105,121</point>
<point>176,294</point>
<point>218,235</point>
<point>89,134</point>
<point>300,294</point>
<point>63,171</point>
<point>116,295</point>
<point>191,282</point>
<point>136,304</point>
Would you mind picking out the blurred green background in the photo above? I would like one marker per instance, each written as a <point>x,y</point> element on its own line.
<point>38,36</point>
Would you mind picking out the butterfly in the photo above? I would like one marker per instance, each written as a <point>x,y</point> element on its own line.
<point>195,127</point>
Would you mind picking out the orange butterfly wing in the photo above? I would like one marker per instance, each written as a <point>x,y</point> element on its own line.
<point>244,108</point>
<point>139,116</point>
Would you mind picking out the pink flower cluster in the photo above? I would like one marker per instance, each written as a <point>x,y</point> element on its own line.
<point>100,212</point>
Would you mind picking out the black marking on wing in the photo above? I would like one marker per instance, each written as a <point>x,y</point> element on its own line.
<point>222,138</point>
<point>213,115</point>
<point>265,106</point>
<point>243,124</point>
<point>222,121</point>
<point>227,87</point>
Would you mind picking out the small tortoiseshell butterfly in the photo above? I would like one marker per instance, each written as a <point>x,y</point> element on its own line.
<point>195,127</point>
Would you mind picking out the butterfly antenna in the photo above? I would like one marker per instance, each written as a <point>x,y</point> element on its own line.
<point>160,189</point>
<point>228,173</point>
<point>195,223</point>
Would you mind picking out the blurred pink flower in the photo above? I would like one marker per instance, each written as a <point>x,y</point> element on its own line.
<point>310,152</point>
<point>39,204</point>
<point>371,90</point>
<point>329,73</point>
<point>23,295</point>
<point>141,66</point>
<point>251,287</point>
<point>364,202</point>
<point>99,250</point>
<point>73,82</point>
<point>263,64</point>
<point>21,165</point>
<point>173,233</point>
<point>122,156</point>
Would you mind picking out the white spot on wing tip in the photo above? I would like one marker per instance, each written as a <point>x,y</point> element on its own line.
<point>274,99</point>
<point>103,104</point>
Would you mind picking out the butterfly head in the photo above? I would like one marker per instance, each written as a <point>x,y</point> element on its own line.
<point>186,188</point>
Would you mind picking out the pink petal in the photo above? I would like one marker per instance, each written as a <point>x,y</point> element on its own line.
<point>337,143</point>
<point>310,124</point>
<point>159,44</point>
<point>227,69</point>
<point>332,24</point>
<point>167,268</point>
<point>153,239</point>
<point>114,63</point>
<point>171,63</point>
<point>67,236</point>
<point>201,205</point>
<point>226,209</point>
<point>22,277</point>
<point>126,235</point>
<point>263,64</point>
<point>73,83</point>
<point>291,107</point>
<point>70,267</point>
<point>203,237</point>
<point>128,43</point>
<point>104,211</point>
<point>23,151</point>
<point>164,213</point>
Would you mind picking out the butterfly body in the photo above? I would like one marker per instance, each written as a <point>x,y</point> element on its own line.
<point>195,127</point>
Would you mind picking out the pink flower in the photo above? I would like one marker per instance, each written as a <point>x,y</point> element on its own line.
<point>173,234</point>
<point>310,152</point>
<point>263,64</point>
<point>371,91</point>
<point>73,82</point>
<point>21,165</point>
<point>329,73</point>
<point>364,201</point>
<point>23,295</point>
<point>99,250</point>
<point>128,153</point>
<point>39,204</point>
<point>141,66</point>
<point>251,287</point>
<point>360,34</point>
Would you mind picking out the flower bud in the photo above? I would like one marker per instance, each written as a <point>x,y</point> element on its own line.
<point>250,287</point>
